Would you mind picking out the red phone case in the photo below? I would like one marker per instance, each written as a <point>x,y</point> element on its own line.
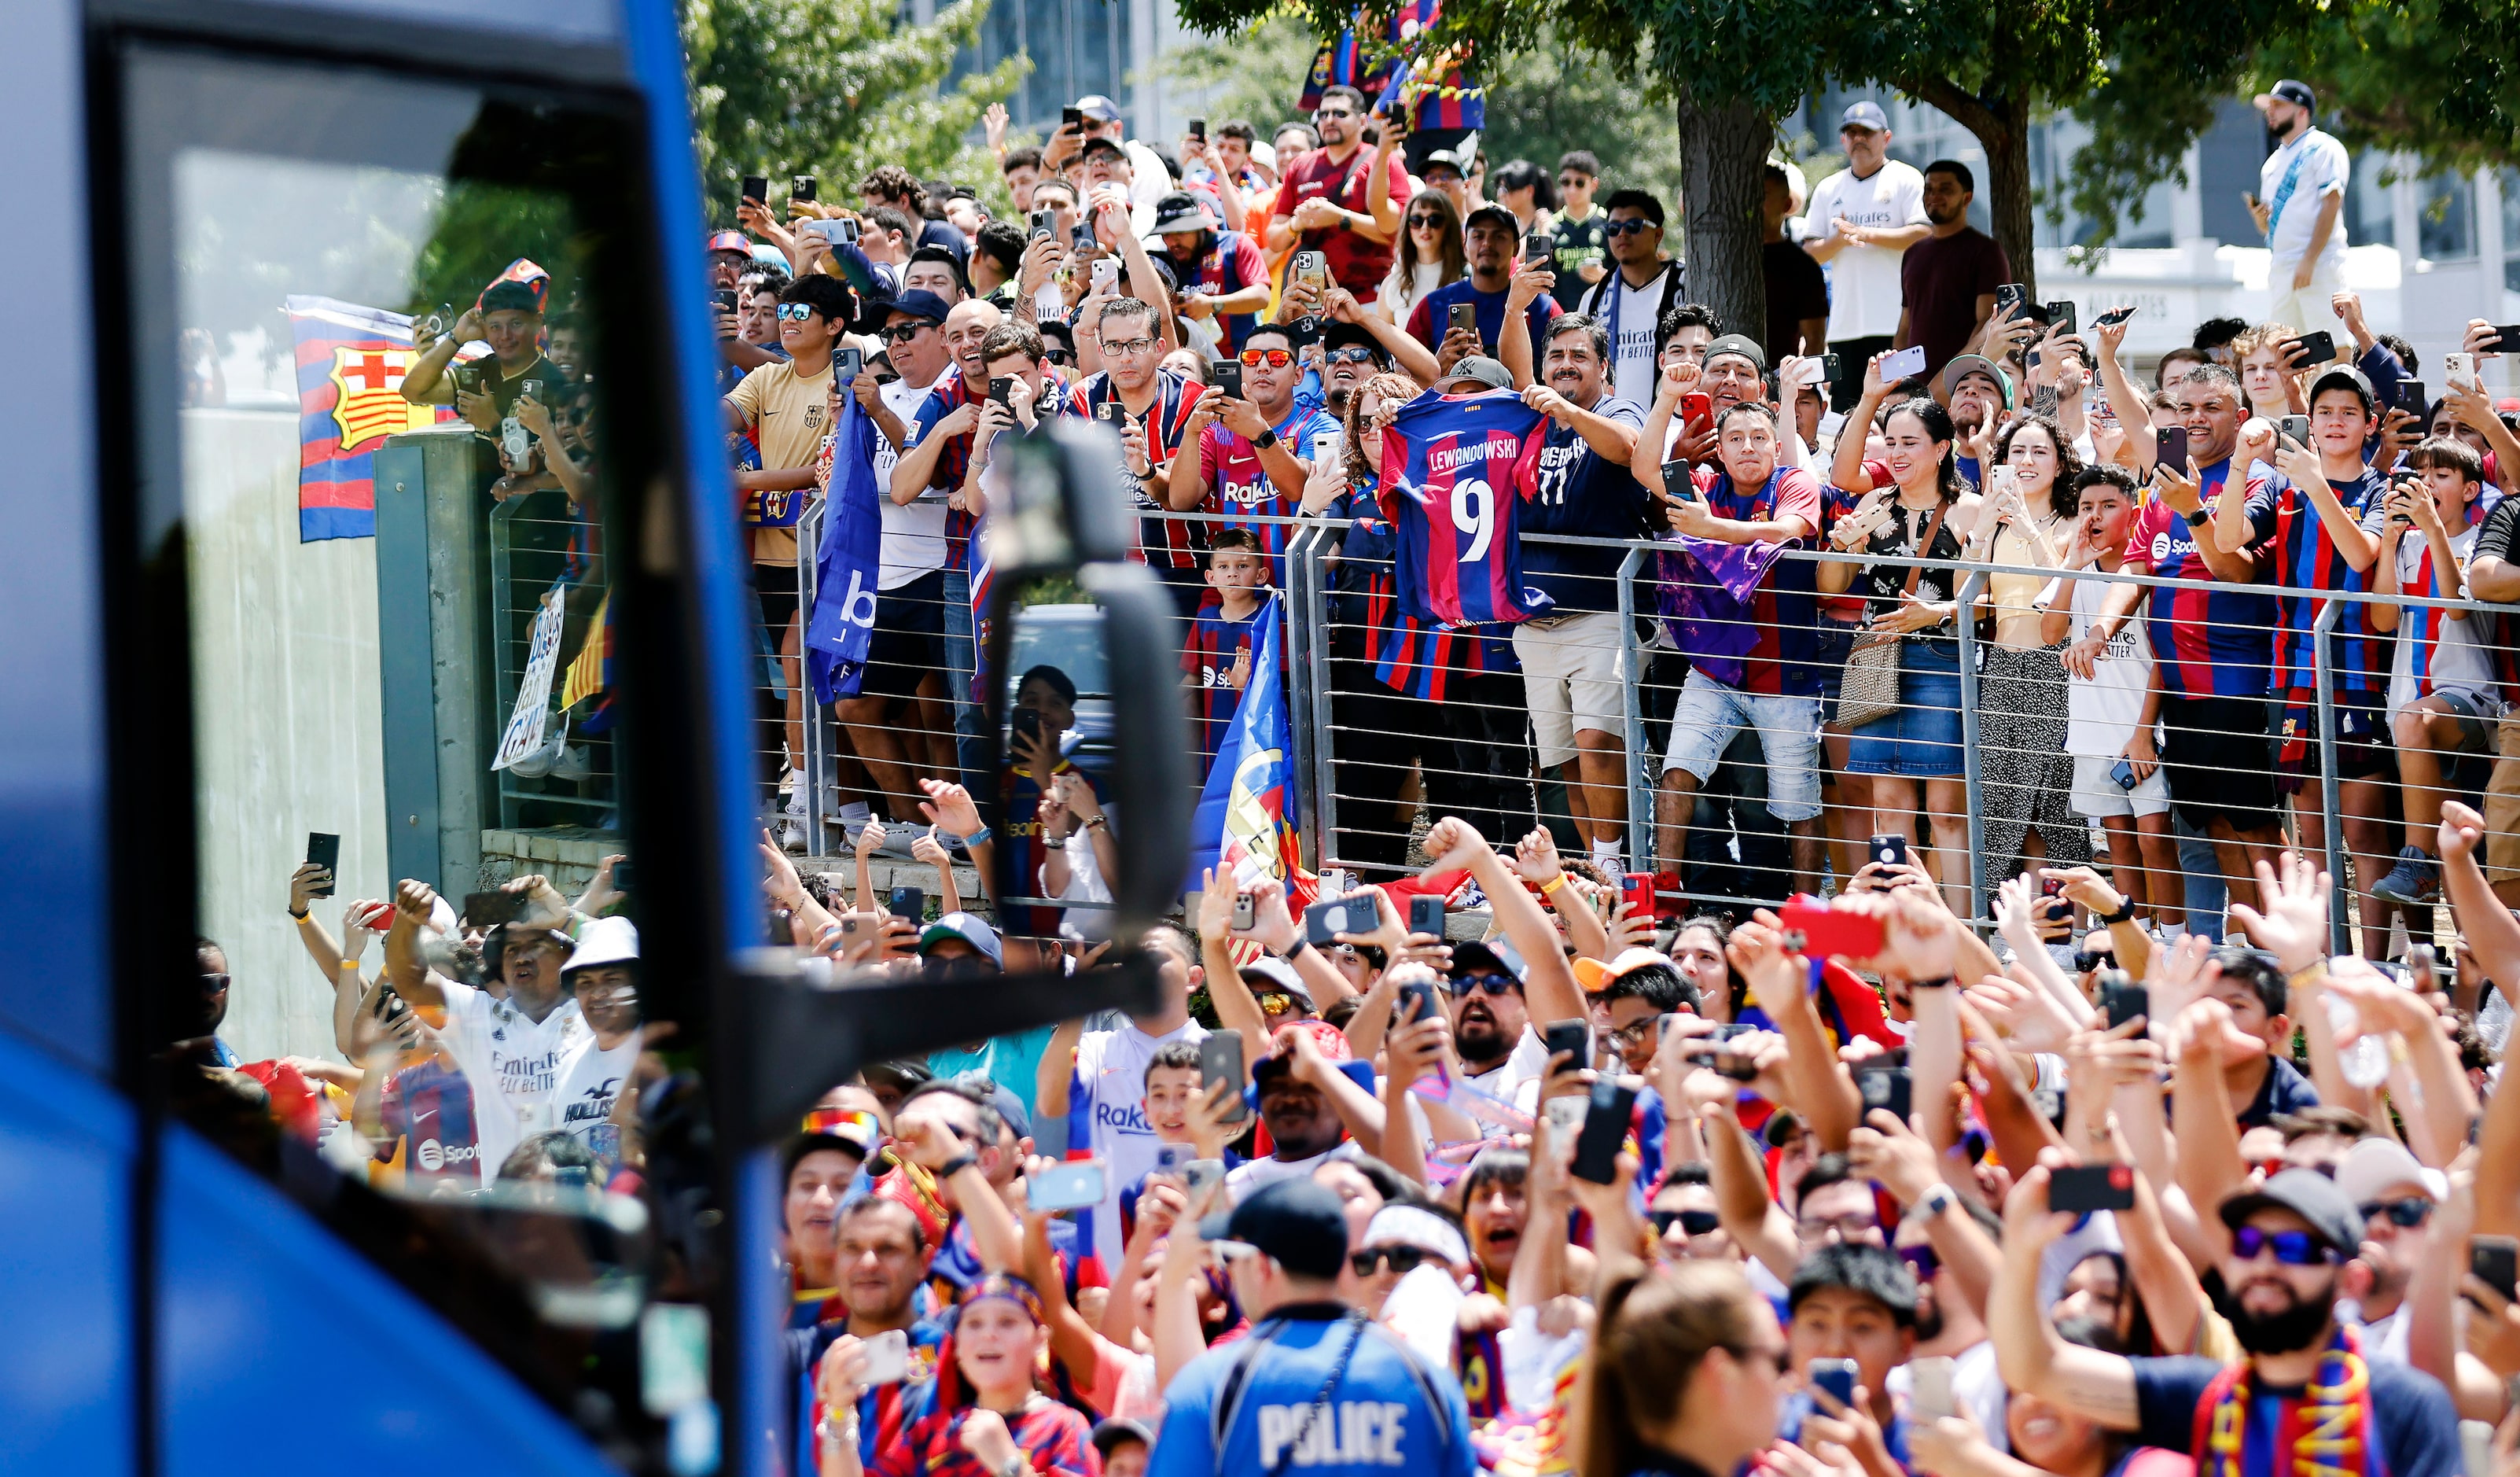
<point>1825,930</point>
<point>1694,406</point>
<point>1636,891</point>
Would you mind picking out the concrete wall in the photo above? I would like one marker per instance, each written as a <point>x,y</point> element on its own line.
<point>285,720</point>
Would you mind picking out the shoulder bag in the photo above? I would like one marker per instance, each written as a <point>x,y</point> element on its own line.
<point>1871,689</point>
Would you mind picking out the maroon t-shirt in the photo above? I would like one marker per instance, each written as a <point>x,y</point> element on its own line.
<point>1356,263</point>
<point>1940,279</point>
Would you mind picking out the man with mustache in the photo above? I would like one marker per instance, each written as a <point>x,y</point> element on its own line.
<point>2304,1397</point>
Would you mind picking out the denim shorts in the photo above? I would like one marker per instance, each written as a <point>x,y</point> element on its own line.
<point>1709,713</point>
<point>1833,642</point>
<point>1922,739</point>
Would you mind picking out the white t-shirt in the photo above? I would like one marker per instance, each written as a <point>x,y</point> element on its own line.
<point>513,1063</point>
<point>1863,291</point>
<point>914,537</point>
<point>2324,172</point>
<point>1399,296</point>
<point>591,1079</point>
<point>1110,1085</point>
<point>1252,1176</point>
<point>2101,710</point>
<point>1976,1384</point>
<point>1632,337</point>
<point>2460,660</point>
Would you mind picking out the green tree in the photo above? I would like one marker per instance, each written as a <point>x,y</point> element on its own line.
<point>833,88</point>
<point>2436,78</point>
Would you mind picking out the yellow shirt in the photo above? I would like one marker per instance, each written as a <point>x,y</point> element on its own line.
<point>788,411</point>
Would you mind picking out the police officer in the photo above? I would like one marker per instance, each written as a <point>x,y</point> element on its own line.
<point>1318,1387</point>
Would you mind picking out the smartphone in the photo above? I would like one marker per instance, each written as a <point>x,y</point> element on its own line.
<point>1199,1180</point>
<point>1198,130</point>
<point>1830,368</point>
<point>2414,397</point>
<point>1929,1391</point>
<point>2060,315</point>
<point>2297,427</point>
<point>2170,446</point>
<point>1462,316</point>
<point>724,298</point>
<point>2124,999</point>
<point>1071,117</point>
<point>1568,1039</point>
<point>2316,348</point>
<point>1080,237</point>
<point>325,850</point>
<point>1889,851</point>
<point>1043,223</point>
<point>1107,272</point>
<point>1244,915</point>
<point>1002,390</point>
<point>1322,920</point>
<point>849,363</point>
<point>1426,914</point>
<point>1677,481</point>
<point>1111,412</point>
<point>1070,1186</point>
<point>887,1357</point>
<point>757,187</point>
<point>2496,1260</point>
<point>1605,1129</point>
<point>2462,367</point>
<point>1905,364</point>
<point>907,903</point>
<point>1836,1376</point>
<point>1535,248</point>
<point>1888,1089</point>
<point>1812,927</point>
<point>1313,266</point>
<point>848,230</point>
<point>800,187</point>
<point>486,910</point>
<point>1228,375</point>
<point>2124,773</point>
<point>1418,1000</point>
<point>622,875</point>
<point>2081,1189</point>
<point>1171,1158</point>
<point>855,925</point>
<point>2113,317</point>
<point>1220,1060</point>
<point>2507,338</point>
<point>1636,891</point>
<point>2009,295</point>
<point>1696,407</point>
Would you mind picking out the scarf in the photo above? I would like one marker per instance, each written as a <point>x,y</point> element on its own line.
<point>2326,1427</point>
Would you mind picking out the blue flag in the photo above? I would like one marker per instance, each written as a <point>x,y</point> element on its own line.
<point>1246,814</point>
<point>848,562</point>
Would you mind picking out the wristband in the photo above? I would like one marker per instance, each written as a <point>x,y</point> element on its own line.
<point>976,838</point>
<point>1288,954</point>
<point>1549,887</point>
<point>956,1165</point>
<point>298,914</point>
<point>2124,912</point>
<point>1098,824</point>
<point>1937,1199</point>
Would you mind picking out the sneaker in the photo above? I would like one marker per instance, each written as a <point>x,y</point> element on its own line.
<point>791,835</point>
<point>2414,882</point>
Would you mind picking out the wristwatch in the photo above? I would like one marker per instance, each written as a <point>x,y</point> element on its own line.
<point>2198,519</point>
<point>1937,1199</point>
<point>1266,439</point>
<point>2124,911</point>
<point>956,1165</point>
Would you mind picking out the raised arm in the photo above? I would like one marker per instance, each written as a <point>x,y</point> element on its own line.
<point>2098,1387</point>
<point>1550,988</point>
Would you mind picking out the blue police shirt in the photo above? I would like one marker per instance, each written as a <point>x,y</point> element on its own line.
<point>1391,1412</point>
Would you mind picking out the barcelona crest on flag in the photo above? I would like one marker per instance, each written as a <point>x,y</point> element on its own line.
<point>350,366</point>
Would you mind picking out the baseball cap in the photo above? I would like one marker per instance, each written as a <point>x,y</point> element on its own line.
<point>1866,114</point>
<point>2311,1196</point>
<point>1489,953</point>
<point>2375,1165</point>
<point>1099,107</point>
<point>2291,91</point>
<point>1741,345</point>
<point>603,941</point>
<point>730,240</point>
<point>2345,377</point>
<point>1455,160</point>
<point>1180,211</point>
<point>1596,976</point>
<point>1498,214</point>
<point>1969,364</point>
<point>1101,144</point>
<point>907,1076</point>
<point>1115,1430</point>
<point>918,302</point>
<point>1296,1222</point>
<point>1003,1098</point>
<point>1485,372</point>
<point>1328,1039</point>
<point>969,930</point>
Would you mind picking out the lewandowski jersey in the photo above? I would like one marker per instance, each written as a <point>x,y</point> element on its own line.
<point>1784,605</point>
<point>2306,557</point>
<point>1239,486</point>
<point>1167,542</point>
<point>1456,471</point>
<point>2208,643</point>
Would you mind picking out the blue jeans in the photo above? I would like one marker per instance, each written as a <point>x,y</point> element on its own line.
<point>2201,876</point>
<point>1708,715</point>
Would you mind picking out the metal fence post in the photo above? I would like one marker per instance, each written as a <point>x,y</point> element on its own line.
<point>2331,811</point>
<point>809,539</point>
<point>1968,593</point>
<point>1632,658</point>
<point>1293,611</point>
<point>1325,808</point>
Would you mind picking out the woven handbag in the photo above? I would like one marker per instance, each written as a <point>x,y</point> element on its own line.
<point>1869,692</point>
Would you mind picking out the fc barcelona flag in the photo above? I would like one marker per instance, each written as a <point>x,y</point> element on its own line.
<point>1246,819</point>
<point>350,364</point>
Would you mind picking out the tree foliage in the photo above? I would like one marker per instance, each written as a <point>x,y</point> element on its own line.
<point>2436,78</point>
<point>833,88</point>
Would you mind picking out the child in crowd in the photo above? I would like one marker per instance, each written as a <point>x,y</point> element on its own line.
<point>1216,663</point>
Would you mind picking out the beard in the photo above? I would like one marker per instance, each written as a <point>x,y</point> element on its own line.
<point>1929,1318</point>
<point>1486,1045</point>
<point>2289,1331</point>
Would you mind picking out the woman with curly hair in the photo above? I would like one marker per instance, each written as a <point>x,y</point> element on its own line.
<point>2025,776</point>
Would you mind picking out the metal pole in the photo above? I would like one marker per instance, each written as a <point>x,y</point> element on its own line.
<point>1292,608</point>
<point>1969,588</point>
<point>2331,813</point>
<point>809,539</point>
<point>1632,658</point>
<point>1324,806</point>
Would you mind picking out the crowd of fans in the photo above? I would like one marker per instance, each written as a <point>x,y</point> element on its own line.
<point>2149,1181</point>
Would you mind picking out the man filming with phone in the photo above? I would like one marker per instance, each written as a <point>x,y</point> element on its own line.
<point>509,317</point>
<point>1331,202</point>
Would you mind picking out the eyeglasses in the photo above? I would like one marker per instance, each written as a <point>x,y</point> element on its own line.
<point>1921,1260</point>
<point>900,333</point>
<point>1127,346</point>
<point>2407,1214</point>
<point>1848,1226</point>
<point>1349,355</point>
<point>2292,1248</point>
<point>1425,222</point>
<point>1627,227</point>
<point>1775,1358</point>
<point>795,312</point>
<point>1694,1223</point>
<point>1490,982</point>
<point>1275,358</point>
<point>1403,1260</point>
<point>1631,1034</point>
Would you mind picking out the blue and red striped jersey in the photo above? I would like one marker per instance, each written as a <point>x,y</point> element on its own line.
<point>1409,656</point>
<point>1207,669</point>
<point>947,394</point>
<point>2306,557</point>
<point>2208,643</point>
<point>1456,471</point>
<point>431,1106</point>
<point>1166,540</point>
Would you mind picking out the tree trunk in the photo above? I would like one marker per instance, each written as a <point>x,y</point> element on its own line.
<point>1722,159</point>
<point>2002,128</point>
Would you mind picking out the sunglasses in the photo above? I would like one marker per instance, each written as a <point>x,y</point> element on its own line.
<point>1626,227</point>
<point>2292,1248</point>
<point>1275,1003</point>
<point>1333,112</point>
<point>1922,1261</point>
<point>1403,1260</point>
<point>832,1120</point>
<point>1349,355</point>
<point>2407,1214</point>
<point>899,333</point>
<point>1694,1223</point>
<point>795,312</point>
<point>1275,358</point>
<point>1058,356</point>
<point>1425,222</point>
<point>1490,982</point>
